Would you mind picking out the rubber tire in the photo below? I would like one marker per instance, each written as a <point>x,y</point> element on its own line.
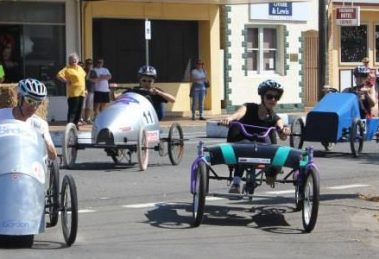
<point>69,233</point>
<point>297,134</point>
<point>356,131</point>
<point>310,202</point>
<point>142,150</point>
<point>175,157</point>
<point>198,203</point>
<point>53,195</point>
<point>298,198</point>
<point>69,153</point>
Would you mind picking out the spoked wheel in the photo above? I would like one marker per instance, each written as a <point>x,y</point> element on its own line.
<point>142,150</point>
<point>356,137</point>
<point>297,131</point>
<point>298,198</point>
<point>119,155</point>
<point>198,205</point>
<point>69,214</point>
<point>175,144</point>
<point>52,195</point>
<point>311,195</point>
<point>69,149</point>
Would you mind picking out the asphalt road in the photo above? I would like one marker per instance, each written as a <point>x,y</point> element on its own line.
<point>125,213</point>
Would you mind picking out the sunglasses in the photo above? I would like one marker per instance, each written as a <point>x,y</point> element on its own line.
<point>32,102</point>
<point>147,80</point>
<point>272,96</point>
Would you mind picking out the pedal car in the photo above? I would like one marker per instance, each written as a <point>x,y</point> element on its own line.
<point>129,124</point>
<point>336,118</point>
<point>29,188</point>
<point>257,159</point>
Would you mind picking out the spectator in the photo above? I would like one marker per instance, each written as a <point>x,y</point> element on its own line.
<point>198,89</point>
<point>90,87</point>
<point>2,73</point>
<point>73,76</point>
<point>102,91</point>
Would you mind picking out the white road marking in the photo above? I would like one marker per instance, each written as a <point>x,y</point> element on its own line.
<point>86,211</point>
<point>281,192</point>
<point>341,187</point>
<point>214,198</point>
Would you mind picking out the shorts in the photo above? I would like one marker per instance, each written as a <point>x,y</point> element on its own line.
<point>88,101</point>
<point>101,97</point>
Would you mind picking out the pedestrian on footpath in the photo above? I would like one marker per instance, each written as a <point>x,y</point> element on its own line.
<point>198,89</point>
<point>102,90</point>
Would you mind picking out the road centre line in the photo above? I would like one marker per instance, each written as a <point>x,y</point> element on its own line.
<point>86,211</point>
<point>341,187</point>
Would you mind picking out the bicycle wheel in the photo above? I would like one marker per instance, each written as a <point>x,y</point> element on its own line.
<point>142,150</point>
<point>69,149</point>
<point>311,199</point>
<point>297,131</point>
<point>69,213</point>
<point>175,144</point>
<point>52,195</point>
<point>356,137</point>
<point>198,204</point>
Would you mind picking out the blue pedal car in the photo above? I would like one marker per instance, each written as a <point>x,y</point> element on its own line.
<point>336,118</point>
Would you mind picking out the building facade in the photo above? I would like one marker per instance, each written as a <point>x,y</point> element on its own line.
<point>267,41</point>
<point>348,45</point>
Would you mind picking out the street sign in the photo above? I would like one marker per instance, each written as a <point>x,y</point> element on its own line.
<point>147,30</point>
<point>281,9</point>
<point>348,16</point>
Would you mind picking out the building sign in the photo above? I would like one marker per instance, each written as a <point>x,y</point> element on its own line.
<point>284,9</point>
<point>348,16</point>
<point>280,11</point>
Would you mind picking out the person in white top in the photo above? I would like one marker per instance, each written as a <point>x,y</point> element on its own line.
<point>30,94</point>
<point>101,95</point>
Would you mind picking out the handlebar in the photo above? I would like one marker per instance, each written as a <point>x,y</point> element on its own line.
<point>265,130</point>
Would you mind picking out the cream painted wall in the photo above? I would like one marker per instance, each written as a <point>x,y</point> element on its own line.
<point>244,88</point>
<point>209,41</point>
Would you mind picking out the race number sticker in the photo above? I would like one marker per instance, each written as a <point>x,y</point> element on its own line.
<point>254,160</point>
<point>152,136</point>
<point>38,172</point>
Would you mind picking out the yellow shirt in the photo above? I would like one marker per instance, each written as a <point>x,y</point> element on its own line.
<point>76,80</point>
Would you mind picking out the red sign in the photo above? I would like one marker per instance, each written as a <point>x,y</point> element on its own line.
<point>348,16</point>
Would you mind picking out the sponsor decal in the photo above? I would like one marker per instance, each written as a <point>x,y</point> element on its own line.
<point>125,129</point>
<point>254,160</point>
<point>126,99</point>
<point>152,135</point>
<point>15,130</point>
<point>14,224</point>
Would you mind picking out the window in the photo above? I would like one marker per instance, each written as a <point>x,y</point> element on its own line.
<point>262,49</point>
<point>353,43</point>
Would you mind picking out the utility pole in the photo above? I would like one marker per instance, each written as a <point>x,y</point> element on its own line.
<point>322,48</point>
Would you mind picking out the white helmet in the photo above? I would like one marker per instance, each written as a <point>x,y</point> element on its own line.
<point>32,88</point>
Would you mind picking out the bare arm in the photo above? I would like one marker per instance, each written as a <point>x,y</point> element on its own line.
<point>283,131</point>
<point>237,115</point>
<point>168,97</point>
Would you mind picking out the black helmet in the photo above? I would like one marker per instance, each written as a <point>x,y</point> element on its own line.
<point>269,85</point>
<point>361,71</point>
<point>147,71</point>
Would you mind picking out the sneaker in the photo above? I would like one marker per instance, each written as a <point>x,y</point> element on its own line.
<point>235,188</point>
<point>270,173</point>
<point>202,119</point>
<point>193,118</point>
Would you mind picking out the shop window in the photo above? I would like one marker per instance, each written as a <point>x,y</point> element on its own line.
<point>262,49</point>
<point>172,49</point>
<point>353,43</point>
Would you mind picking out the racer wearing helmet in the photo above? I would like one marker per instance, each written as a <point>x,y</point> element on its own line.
<point>146,77</point>
<point>261,115</point>
<point>366,92</point>
<point>30,94</point>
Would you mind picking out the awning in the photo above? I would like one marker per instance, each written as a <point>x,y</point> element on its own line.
<point>220,2</point>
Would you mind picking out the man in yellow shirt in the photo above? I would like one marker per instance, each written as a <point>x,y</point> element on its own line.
<point>74,77</point>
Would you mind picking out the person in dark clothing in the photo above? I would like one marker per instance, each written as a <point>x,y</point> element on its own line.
<point>261,115</point>
<point>146,77</point>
